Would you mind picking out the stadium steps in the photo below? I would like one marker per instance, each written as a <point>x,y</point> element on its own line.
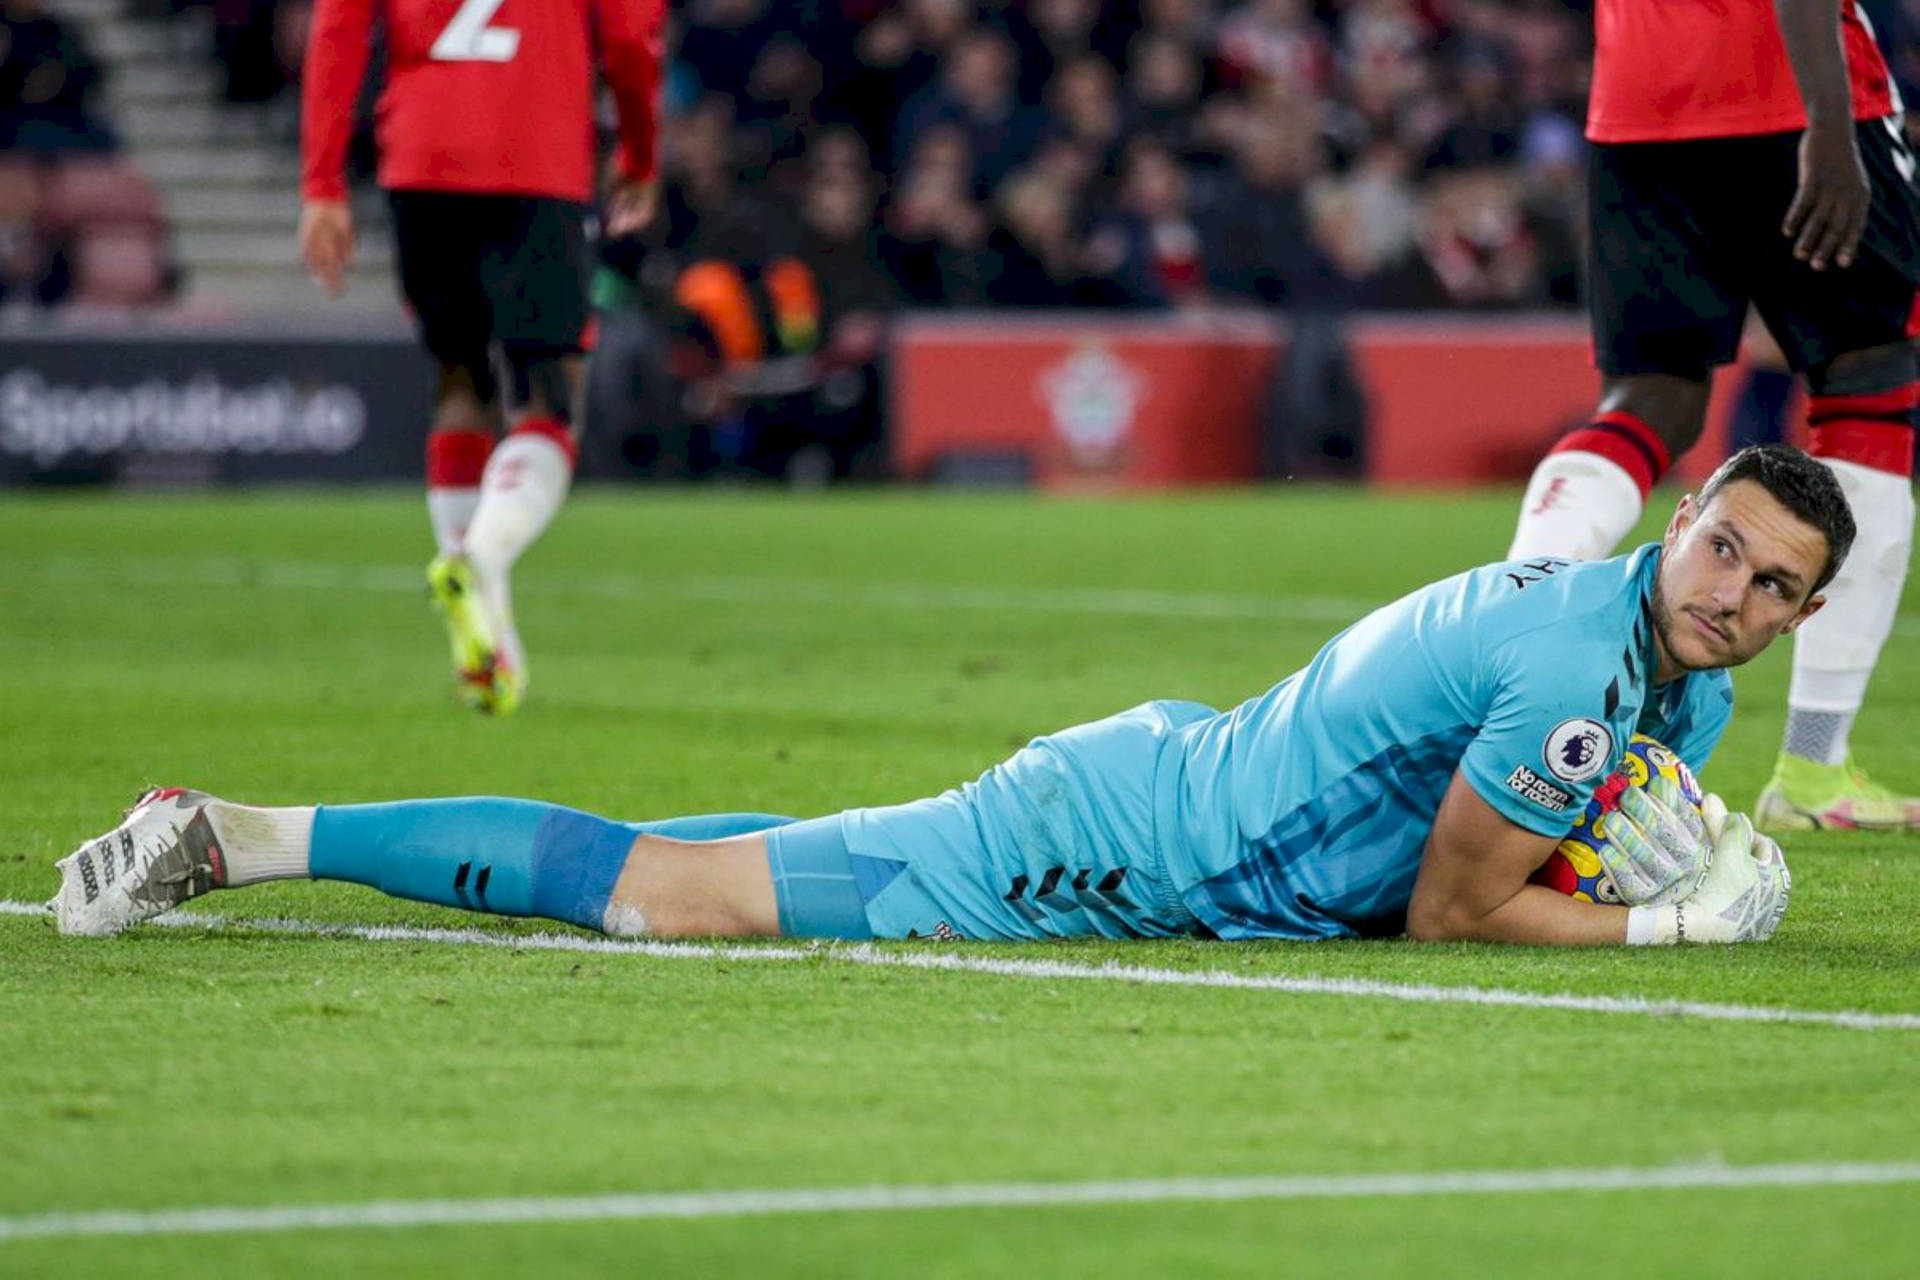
<point>228,176</point>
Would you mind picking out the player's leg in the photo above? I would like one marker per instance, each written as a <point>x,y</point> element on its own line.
<point>702,875</point>
<point>1665,310</point>
<point>441,242</point>
<point>458,445</point>
<point>534,277</point>
<point>437,264</point>
<point>1851,332</point>
<point>1860,425</point>
<point>524,486</point>
<point>716,875</point>
<point>1589,491</point>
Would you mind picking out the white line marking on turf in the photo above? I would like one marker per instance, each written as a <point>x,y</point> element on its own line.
<point>950,961</point>
<point>987,1195</point>
<point>315,575</point>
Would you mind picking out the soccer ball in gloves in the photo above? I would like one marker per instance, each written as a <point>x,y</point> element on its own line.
<point>1574,867</point>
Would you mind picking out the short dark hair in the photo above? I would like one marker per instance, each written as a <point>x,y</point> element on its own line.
<point>1801,485</point>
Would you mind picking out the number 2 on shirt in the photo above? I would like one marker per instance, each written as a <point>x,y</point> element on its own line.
<point>468,38</point>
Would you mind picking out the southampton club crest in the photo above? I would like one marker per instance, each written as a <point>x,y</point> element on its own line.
<point>1092,397</point>
<point>1578,749</point>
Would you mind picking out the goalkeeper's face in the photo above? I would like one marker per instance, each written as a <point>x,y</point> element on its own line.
<point>1735,575</point>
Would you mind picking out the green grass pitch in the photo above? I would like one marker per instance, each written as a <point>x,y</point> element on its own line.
<point>694,652</point>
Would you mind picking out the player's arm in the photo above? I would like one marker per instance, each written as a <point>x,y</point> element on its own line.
<point>336,62</point>
<point>630,53</point>
<point>1829,209</point>
<point>1473,885</point>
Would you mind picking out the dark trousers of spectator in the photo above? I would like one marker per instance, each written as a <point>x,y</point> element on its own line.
<point>1316,410</point>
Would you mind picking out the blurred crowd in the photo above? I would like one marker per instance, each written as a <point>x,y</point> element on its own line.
<point>1144,153</point>
<point>828,161</point>
<point>1139,154</point>
<point>78,222</point>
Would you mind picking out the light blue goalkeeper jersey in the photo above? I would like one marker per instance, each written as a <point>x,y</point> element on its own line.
<point>1303,812</point>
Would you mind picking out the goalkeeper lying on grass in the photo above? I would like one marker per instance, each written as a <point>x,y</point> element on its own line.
<point>1409,779</point>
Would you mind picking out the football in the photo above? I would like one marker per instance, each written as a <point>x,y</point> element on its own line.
<point>1574,866</point>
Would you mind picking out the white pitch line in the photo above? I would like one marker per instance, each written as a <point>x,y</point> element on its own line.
<point>893,1199</point>
<point>315,575</point>
<point>956,961</point>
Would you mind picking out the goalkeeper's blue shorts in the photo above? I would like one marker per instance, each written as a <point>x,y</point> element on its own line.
<point>1062,840</point>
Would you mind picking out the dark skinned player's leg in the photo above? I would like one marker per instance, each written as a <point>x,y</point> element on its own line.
<point>1667,305</point>
<point>1589,491</point>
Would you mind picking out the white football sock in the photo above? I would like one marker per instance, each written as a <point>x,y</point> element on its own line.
<point>451,511</point>
<point>1834,651</point>
<point>496,593</point>
<point>525,482</point>
<point>262,844</point>
<point>1579,505</point>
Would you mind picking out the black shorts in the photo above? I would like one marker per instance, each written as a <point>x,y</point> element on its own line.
<point>1686,234</point>
<point>481,269</point>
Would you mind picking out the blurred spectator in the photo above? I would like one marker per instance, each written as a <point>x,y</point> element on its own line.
<point>1148,246</point>
<point>706,211</point>
<point>935,231</point>
<point>33,270</point>
<point>778,107</point>
<point>1051,34</point>
<point>1191,22</point>
<point>1084,107</point>
<point>897,55</point>
<point>1553,168</point>
<point>1164,80</point>
<point>1486,128</point>
<point>779,353</point>
<point>1475,248</point>
<point>838,243</point>
<point>48,80</point>
<point>725,38</point>
<point>1254,223</point>
<point>1383,207</point>
<point>978,91</point>
<point>1035,256</point>
<point>1275,40</point>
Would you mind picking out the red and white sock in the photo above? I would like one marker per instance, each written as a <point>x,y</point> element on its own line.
<point>456,459</point>
<point>1588,492</point>
<point>1867,441</point>
<point>525,482</point>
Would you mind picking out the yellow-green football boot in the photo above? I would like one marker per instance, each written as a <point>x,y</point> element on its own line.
<point>1804,795</point>
<point>490,680</point>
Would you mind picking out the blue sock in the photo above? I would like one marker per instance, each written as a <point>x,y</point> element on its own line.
<point>507,857</point>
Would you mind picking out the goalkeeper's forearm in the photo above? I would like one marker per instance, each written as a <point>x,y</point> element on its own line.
<point>1536,915</point>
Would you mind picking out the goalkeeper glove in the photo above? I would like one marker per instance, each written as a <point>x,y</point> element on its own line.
<point>1742,898</point>
<point>1655,845</point>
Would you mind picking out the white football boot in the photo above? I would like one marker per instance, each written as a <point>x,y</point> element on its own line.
<point>162,854</point>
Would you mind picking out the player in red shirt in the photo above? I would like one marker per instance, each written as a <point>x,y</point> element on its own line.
<point>1751,151</point>
<point>486,140</point>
